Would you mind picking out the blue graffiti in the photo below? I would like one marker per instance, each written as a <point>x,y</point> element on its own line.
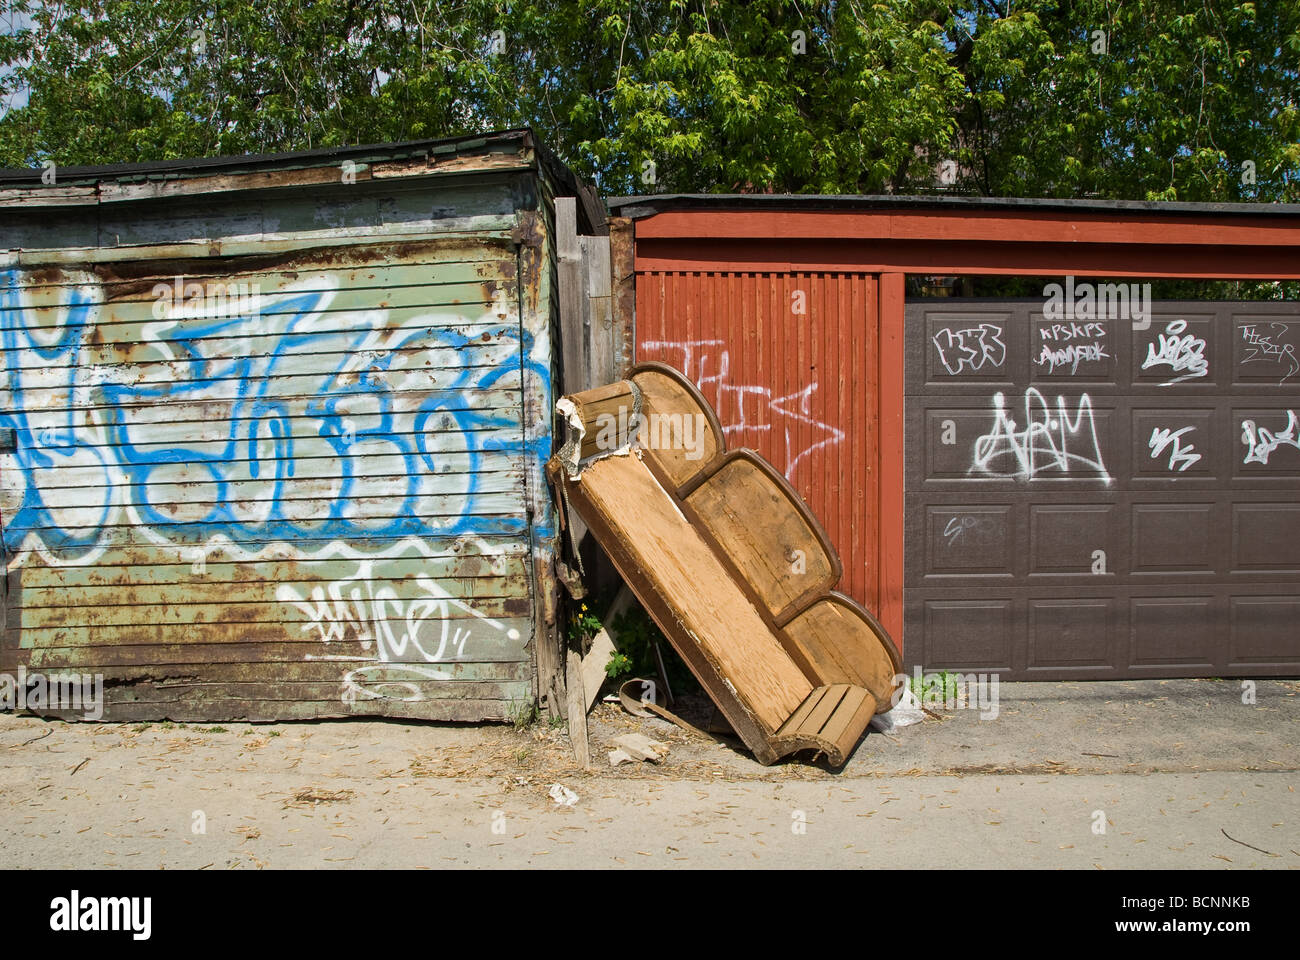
<point>258,440</point>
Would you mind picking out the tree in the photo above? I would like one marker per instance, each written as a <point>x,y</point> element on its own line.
<point>1145,99</point>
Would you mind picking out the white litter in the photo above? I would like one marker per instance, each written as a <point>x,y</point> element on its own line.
<point>563,795</point>
<point>906,712</point>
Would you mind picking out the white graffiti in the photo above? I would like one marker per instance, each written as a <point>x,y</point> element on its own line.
<point>1180,457</point>
<point>1260,442</point>
<point>1178,351</point>
<point>758,414</point>
<point>366,610</point>
<point>1260,346</point>
<point>1050,441</point>
<point>956,526</point>
<point>970,348</point>
<point>1072,354</point>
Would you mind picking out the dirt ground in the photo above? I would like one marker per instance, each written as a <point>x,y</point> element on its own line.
<point>1076,775</point>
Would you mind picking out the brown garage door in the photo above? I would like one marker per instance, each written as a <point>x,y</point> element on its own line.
<point>1103,498</point>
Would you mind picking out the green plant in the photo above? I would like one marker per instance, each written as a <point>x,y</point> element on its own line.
<point>523,714</point>
<point>583,625</point>
<point>618,666</point>
<point>637,637</point>
<point>935,688</point>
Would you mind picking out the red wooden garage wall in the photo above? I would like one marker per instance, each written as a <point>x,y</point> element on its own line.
<point>789,360</point>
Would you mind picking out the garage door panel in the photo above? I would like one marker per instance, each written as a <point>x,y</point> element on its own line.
<point>966,540</point>
<point>1170,631</point>
<point>1265,349</point>
<point>1178,350</point>
<point>1171,539</point>
<point>1262,630</point>
<point>1078,351</point>
<point>972,634</point>
<point>1134,513</point>
<point>1068,633</point>
<point>1268,442</point>
<point>1266,536</point>
<point>970,348</point>
<point>1177,442</point>
<point>1071,539</point>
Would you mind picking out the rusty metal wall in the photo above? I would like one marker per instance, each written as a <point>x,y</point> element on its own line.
<point>1103,498</point>
<point>283,486</point>
<point>789,362</point>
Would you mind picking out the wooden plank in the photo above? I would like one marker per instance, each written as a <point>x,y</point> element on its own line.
<point>258,355</point>
<point>577,709</point>
<point>707,607</point>
<point>175,498</point>
<point>305,543</point>
<point>106,575</point>
<point>1030,227</point>
<point>573,342</point>
<point>817,718</point>
<point>56,396</point>
<point>622,257</point>
<point>664,398</point>
<point>850,718</point>
<point>237,614</point>
<point>974,257</point>
<point>270,711</point>
<point>601,362</point>
<point>891,457</point>
<point>804,710</point>
<point>392,686</point>
<point>276,671</point>
<point>212,591</point>
<point>237,648</point>
<point>369,273</point>
<point>768,536</point>
<point>602,648</point>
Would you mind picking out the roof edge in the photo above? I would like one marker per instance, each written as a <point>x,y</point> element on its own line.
<point>639,207</point>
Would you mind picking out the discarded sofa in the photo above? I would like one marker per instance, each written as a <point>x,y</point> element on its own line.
<point>728,561</point>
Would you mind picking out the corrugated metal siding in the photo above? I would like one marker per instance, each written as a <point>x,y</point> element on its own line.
<point>798,387</point>
<point>316,507</point>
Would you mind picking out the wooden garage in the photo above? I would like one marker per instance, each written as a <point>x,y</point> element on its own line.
<point>1066,484</point>
<point>274,430</point>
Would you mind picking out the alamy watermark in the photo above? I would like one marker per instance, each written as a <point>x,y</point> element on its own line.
<point>950,691</point>
<point>76,913</point>
<point>656,431</point>
<point>79,692</point>
<point>191,300</point>
<point>1098,301</point>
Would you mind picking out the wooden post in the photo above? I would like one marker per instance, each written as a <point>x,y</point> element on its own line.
<point>577,709</point>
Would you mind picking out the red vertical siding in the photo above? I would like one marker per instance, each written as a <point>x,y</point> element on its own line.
<point>801,389</point>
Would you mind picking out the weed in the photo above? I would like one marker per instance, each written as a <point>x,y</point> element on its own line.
<point>939,689</point>
<point>523,714</point>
